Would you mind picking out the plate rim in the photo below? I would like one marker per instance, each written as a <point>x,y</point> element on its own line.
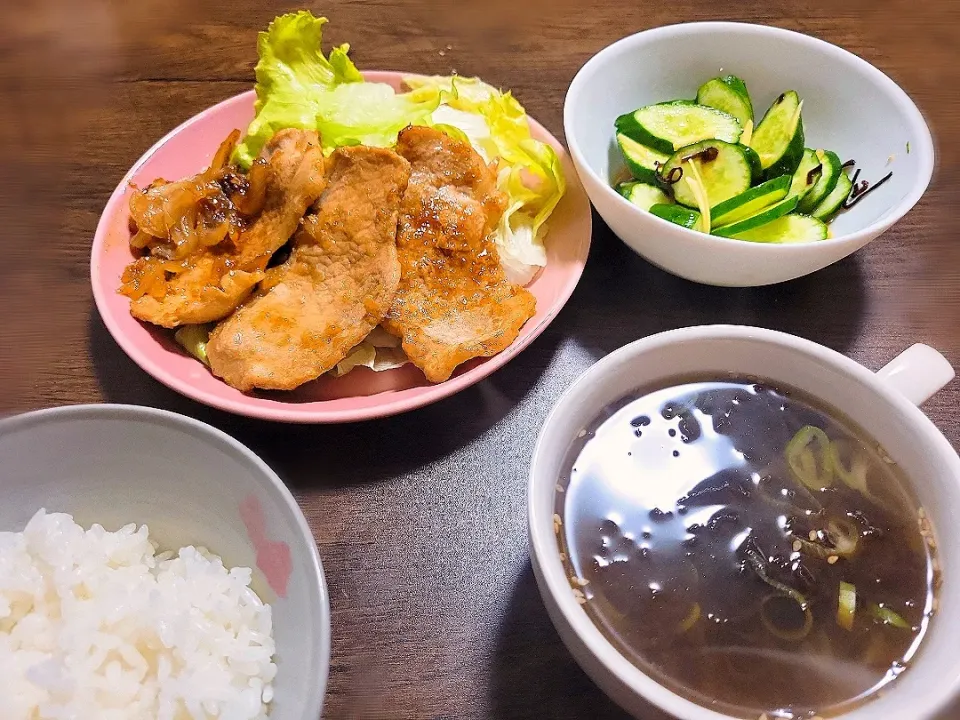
<point>308,413</point>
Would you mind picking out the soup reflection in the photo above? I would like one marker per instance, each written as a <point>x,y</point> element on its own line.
<point>751,549</point>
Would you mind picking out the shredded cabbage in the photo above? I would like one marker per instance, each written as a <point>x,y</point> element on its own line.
<point>379,351</point>
<point>193,339</point>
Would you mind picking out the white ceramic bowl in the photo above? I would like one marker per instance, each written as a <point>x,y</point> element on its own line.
<point>849,107</point>
<point>192,485</point>
<point>884,404</point>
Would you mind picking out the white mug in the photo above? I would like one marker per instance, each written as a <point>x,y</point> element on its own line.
<point>884,404</point>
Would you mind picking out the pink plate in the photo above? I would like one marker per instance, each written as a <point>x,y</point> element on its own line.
<point>360,395</point>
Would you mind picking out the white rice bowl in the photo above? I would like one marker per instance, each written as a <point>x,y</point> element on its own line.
<point>98,625</point>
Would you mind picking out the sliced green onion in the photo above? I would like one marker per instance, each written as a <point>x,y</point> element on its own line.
<point>844,536</point>
<point>784,633</point>
<point>889,617</point>
<point>691,619</point>
<point>854,477</point>
<point>847,605</point>
<point>815,473</point>
<point>814,549</point>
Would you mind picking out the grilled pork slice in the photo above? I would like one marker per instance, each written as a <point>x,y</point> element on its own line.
<point>454,302</point>
<point>337,285</point>
<point>209,282</point>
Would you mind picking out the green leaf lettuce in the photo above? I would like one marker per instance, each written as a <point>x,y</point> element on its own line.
<point>299,87</point>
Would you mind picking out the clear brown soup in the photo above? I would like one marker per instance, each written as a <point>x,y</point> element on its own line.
<point>707,528</point>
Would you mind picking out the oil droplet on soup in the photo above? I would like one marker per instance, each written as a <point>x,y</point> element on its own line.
<point>747,547</point>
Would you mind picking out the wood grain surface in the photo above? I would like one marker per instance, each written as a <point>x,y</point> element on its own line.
<point>420,519</point>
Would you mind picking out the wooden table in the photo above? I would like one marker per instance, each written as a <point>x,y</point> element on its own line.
<point>420,519</point>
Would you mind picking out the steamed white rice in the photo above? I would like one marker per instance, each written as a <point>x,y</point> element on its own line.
<point>97,625</point>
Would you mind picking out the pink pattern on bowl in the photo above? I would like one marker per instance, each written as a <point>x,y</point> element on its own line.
<point>273,558</point>
<point>360,395</point>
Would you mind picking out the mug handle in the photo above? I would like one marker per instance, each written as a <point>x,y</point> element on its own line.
<point>917,373</point>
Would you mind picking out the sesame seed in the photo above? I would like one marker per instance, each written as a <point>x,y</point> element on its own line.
<point>832,559</point>
<point>813,535</point>
<point>797,545</point>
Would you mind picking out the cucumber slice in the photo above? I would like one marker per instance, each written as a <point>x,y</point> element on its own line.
<point>641,160</point>
<point>643,195</point>
<point>728,94</point>
<point>778,139</point>
<point>756,169</point>
<point>784,207</point>
<point>830,172</point>
<point>749,203</point>
<point>788,229</point>
<point>670,126</point>
<point>736,84</point>
<point>682,216</point>
<point>723,167</point>
<point>832,202</point>
<point>807,175</point>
